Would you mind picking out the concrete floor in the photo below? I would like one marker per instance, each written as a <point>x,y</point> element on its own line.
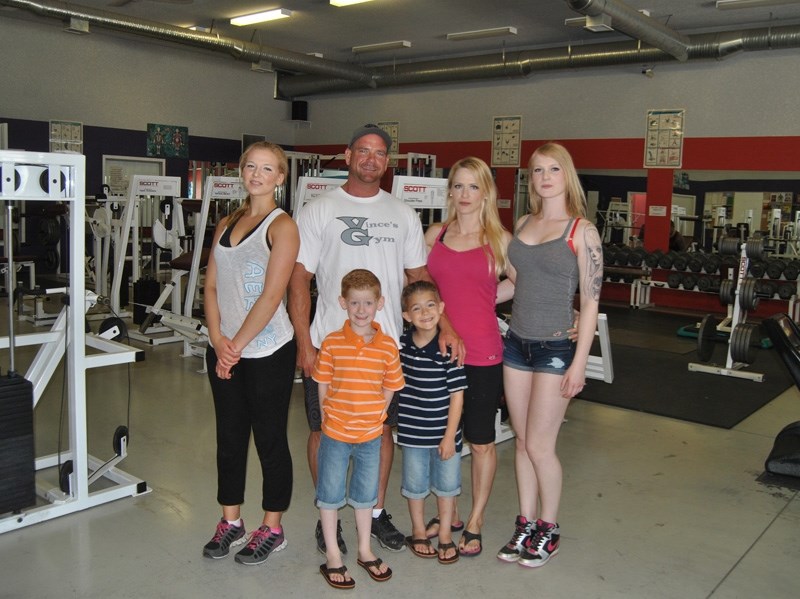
<point>652,508</point>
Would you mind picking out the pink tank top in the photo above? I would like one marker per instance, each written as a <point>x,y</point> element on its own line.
<point>468,288</point>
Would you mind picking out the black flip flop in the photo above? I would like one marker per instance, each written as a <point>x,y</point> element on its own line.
<point>376,563</point>
<point>412,543</point>
<point>326,573</point>
<point>444,547</point>
<point>454,527</point>
<point>468,536</point>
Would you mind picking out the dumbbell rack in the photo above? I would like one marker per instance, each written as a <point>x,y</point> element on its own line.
<point>742,290</point>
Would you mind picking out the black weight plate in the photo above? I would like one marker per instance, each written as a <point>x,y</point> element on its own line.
<point>706,337</point>
<point>122,431</point>
<point>726,290</point>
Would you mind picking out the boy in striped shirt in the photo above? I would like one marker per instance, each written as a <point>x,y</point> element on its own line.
<point>429,421</point>
<point>358,371</point>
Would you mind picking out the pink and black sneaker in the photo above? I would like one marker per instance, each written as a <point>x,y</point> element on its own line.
<point>541,545</point>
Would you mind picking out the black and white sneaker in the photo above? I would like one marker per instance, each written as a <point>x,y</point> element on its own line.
<point>522,532</point>
<point>226,536</point>
<point>263,541</point>
<point>388,536</point>
<point>321,538</point>
<point>541,546</point>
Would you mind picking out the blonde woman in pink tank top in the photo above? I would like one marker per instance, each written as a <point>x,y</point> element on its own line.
<point>467,257</point>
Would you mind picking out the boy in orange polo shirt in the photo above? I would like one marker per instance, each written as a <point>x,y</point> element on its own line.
<point>358,371</point>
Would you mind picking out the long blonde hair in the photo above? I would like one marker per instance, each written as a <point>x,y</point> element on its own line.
<point>492,230</point>
<point>576,198</point>
<point>283,168</point>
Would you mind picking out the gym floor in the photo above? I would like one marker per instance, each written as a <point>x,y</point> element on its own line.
<point>652,507</point>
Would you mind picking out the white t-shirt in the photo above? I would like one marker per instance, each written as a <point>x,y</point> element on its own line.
<point>340,232</point>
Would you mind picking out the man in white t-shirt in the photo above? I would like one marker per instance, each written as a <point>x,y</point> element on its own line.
<point>357,225</point>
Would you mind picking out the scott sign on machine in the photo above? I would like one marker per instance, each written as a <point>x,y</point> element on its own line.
<point>229,188</point>
<point>421,192</point>
<point>309,188</point>
<point>156,186</point>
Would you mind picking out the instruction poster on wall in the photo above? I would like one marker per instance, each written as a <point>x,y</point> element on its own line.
<point>664,138</point>
<point>393,129</point>
<point>66,136</point>
<point>506,143</point>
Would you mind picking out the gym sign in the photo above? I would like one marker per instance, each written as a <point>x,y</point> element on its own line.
<point>227,188</point>
<point>421,192</point>
<point>157,186</point>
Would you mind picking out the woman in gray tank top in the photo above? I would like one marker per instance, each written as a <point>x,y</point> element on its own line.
<point>554,251</point>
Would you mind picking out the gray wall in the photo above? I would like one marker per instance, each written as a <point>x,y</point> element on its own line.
<point>107,79</point>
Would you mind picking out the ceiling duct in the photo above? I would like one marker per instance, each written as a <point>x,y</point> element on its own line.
<point>246,51</point>
<point>635,24</point>
<point>322,76</point>
<point>713,46</point>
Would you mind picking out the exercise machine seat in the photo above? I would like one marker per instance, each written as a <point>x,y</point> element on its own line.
<point>784,333</point>
<point>184,261</point>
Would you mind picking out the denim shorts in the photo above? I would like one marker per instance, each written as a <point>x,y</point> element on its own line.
<point>552,356</point>
<point>425,472</point>
<point>333,461</point>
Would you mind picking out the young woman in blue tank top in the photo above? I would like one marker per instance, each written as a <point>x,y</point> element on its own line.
<point>554,251</point>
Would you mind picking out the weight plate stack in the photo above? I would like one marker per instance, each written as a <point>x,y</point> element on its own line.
<point>729,246</point>
<point>748,296</point>
<point>754,249</point>
<point>743,338</point>
<point>726,292</point>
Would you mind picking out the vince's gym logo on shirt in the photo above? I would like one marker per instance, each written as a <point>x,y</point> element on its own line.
<point>358,231</point>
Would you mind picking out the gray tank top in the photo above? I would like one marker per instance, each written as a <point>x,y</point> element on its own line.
<point>547,277</point>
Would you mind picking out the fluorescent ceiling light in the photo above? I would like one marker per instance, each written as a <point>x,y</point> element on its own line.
<point>347,2</point>
<point>729,4</point>
<point>471,35</point>
<point>383,46</point>
<point>260,17</point>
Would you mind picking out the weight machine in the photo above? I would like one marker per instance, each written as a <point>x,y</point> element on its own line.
<point>140,187</point>
<point>65,182</point>
<point>191,330</point>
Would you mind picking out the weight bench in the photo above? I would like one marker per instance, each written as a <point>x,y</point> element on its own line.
<point>784,458</point>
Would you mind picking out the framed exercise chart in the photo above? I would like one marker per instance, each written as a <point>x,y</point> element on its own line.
<point>663,146</point>
<point>506,143</point>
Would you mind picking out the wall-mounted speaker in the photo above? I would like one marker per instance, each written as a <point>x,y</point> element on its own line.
<point>299,110</point>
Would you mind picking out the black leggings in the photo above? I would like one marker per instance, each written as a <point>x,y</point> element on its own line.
<point>255,398</point>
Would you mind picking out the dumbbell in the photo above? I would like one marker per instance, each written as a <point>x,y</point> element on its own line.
<point>681,261</point>
<point>712,263</point>
<point>766,289</point>
<point>674,280</point>
<point>652,258</point>
<point>696,261</point>
<point>609,253</point>
<point>758,268</point>
<point>689,281</point>
<point>775,268</point>
<point>792,270</point>
<point>636,257</point>
<point>786,290</point>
